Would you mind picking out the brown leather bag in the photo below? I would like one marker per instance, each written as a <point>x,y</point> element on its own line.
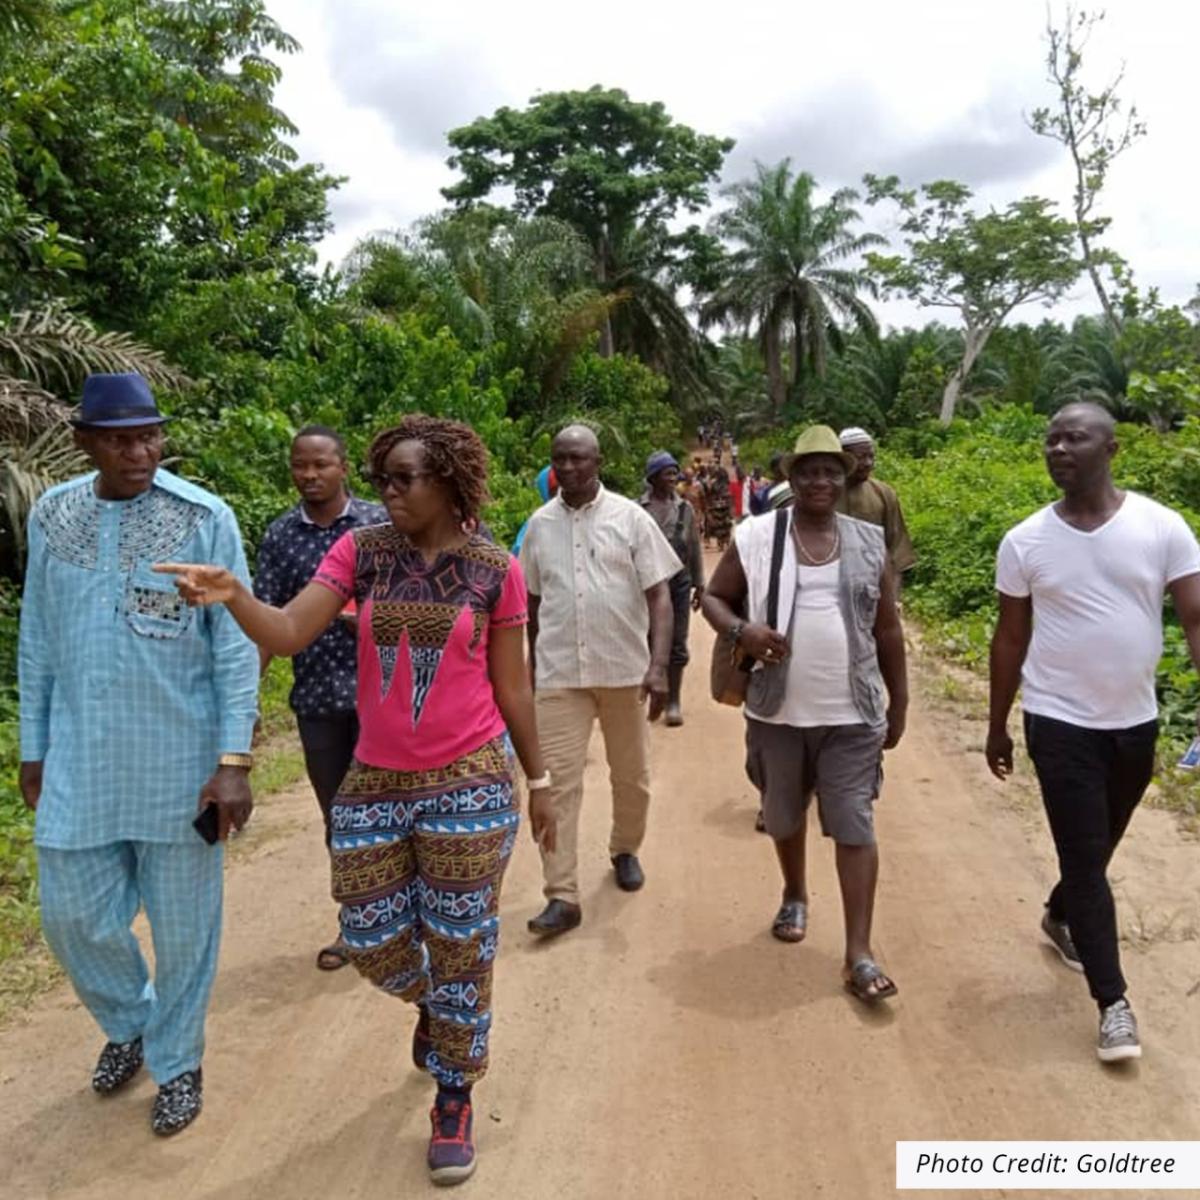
<point>729,670</point>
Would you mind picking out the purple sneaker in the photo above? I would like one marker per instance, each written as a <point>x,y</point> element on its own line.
<point>451,1147</point>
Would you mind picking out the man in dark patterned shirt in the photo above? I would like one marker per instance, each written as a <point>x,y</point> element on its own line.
<point>294,545</point>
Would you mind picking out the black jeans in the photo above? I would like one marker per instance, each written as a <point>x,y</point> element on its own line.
<point>1092,780</point>
<point>328,743</point>
<point>681,604</point>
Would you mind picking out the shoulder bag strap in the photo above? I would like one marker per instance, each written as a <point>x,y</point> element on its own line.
<point>781,523</point>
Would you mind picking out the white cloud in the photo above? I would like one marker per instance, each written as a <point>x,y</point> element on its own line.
<point>926,88</point>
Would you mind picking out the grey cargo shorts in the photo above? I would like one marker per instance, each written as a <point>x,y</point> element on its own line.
<point>842,764</point>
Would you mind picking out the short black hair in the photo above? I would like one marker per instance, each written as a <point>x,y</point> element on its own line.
<point>325,432</point>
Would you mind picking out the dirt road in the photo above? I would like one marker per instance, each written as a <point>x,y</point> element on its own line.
<point>669,1047</point>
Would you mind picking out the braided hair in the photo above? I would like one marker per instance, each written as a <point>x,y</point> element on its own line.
<point>454,452</point>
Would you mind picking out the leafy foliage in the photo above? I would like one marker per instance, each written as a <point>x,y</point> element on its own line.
<point>982,266</point>
<point>618,172</point>
<point>793,275</point>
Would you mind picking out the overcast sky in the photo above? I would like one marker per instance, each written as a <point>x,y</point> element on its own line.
<point>924,89</point>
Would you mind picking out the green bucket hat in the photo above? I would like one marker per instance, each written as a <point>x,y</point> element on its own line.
<point>819,439</point>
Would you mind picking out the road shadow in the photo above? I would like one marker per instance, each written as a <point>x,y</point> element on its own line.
<point>758,978</point>
<point>281,982</point>
<point>735,819</point>
<point>111,1134</point>
<point>392,1131</point>
<point>1024,1023</point>
<point>602,909</point>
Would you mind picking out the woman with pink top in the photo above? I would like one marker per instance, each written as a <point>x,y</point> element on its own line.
<point>425,820</point>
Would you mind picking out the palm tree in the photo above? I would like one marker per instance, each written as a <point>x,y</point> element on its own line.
<point>792,275</point>
<point>1093,365</point>
<point>522,285</point>
<point>44,351</point>
<point>648,321</point>
<point>745,406</point>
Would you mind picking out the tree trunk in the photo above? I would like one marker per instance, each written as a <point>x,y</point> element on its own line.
<point>1110,313</point>
<point>974,340</point>
<point>605,348</point>
<point>772,346</point>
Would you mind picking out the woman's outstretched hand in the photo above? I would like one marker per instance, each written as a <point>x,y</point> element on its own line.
<point>200,584</point>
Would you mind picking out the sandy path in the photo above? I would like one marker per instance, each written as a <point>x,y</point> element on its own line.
<point>669,1047</point>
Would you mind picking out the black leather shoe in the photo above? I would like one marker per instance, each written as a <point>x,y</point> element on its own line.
<point>119,1062</point>
<point>557,917</point>
<point>178,1103</point>
<point>629,872</point>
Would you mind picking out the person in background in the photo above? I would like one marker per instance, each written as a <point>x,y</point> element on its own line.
<point>424,822</point>
<point>869,499</point>
<point>758,493</point>
<point>676,519</point>
<point>547,487</point>
<point>737,480</point>
<point>136,714</point>
<point>323,688</point>
<point>816,719</point>
<point>693,492</point>
<point>718,506</point>
<point>779,490</point>
<point>599,644</point>
<point>1081,586</point>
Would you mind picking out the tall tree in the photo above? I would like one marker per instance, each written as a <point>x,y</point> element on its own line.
<point>982,266</point>
<point>794,274</point>
<point>605,164</point>
<point>139,137</point>
<point>1094,130</point>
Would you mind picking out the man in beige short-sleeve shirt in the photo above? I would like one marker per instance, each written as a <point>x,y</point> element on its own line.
<point>600,620</point>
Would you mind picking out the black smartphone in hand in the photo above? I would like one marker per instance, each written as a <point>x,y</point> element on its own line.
<point>208,825</point>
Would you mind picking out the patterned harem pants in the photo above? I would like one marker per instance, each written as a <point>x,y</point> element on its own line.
<point>418,858</point>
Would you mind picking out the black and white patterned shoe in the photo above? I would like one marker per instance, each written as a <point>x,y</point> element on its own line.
<point>118,1063</point>
<point>178,1103</point>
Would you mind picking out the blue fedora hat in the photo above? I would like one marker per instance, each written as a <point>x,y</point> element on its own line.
<point>117,401</point>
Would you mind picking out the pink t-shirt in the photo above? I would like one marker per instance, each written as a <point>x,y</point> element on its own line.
<point>424,695</point>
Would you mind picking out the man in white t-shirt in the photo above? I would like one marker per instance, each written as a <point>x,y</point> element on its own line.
<point>1081,586</point>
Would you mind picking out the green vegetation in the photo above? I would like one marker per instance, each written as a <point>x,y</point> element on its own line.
<point>153,216</point>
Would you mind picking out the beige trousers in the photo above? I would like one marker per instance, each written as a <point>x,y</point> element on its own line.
<point>565,717</point>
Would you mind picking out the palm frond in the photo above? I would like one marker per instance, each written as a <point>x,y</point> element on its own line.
<point>55,349</point>
<point>28,466</point>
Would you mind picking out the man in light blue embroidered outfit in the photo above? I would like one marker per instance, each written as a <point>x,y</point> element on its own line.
<point>136,712</point>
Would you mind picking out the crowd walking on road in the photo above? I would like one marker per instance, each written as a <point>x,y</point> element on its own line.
<point>430,663</point>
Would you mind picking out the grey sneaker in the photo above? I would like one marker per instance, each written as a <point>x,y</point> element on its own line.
<point>1118,1033</point>
<point>1059,936</point>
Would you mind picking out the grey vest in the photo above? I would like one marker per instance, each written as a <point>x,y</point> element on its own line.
<point>860,570</point>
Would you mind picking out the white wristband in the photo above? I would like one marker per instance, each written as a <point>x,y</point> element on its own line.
<point>536,785</point>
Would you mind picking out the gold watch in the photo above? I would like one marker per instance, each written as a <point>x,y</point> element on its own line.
<point>245,761</point>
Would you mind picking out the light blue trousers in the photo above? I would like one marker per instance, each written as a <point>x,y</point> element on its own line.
<point>89,900</point>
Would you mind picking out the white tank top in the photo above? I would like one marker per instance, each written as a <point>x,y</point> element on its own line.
<point>818,669</point>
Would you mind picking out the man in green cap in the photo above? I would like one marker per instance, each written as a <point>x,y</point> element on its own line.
<point>826,641</point>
